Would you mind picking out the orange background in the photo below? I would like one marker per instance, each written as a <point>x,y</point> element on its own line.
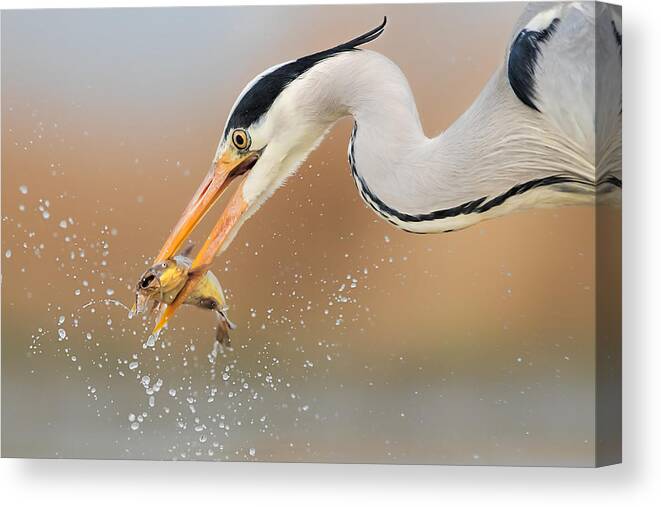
<point>472,347</point>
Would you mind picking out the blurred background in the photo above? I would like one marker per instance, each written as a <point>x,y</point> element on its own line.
<point>356,342</point>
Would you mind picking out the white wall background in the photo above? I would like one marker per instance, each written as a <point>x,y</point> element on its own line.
<point>636,482</point>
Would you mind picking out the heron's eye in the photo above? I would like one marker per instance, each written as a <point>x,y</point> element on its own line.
<point>241,139</point>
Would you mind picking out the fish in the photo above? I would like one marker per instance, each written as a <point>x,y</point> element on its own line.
<point>161,284</point>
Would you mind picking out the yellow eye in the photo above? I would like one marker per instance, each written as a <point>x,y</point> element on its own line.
<point>241,139</point>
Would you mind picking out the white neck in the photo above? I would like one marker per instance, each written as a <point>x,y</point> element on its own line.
<point>497,145</point>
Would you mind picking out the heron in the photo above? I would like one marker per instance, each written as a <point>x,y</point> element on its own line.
<point>544,131</point>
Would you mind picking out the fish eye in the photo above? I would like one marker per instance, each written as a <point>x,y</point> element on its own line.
<point>146,281</point>
<point>241,139</point>
<point>164,265</point>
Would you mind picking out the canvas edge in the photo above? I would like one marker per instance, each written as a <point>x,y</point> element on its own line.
<point>608,271</point>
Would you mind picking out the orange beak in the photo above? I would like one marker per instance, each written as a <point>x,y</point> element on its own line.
<point>224,170</point>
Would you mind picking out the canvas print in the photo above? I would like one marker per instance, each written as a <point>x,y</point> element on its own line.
<point>345,234</point>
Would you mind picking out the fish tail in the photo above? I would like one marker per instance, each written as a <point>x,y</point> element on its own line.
<point>223,330</point>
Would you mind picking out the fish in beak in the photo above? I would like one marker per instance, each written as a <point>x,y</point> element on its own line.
<point>229,166</point>
<point>161,284</point>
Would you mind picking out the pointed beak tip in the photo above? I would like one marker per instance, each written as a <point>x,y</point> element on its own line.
<point>159,326</point>
<point>208,193</point>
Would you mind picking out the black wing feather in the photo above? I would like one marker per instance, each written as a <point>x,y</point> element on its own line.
<point>522,62</point>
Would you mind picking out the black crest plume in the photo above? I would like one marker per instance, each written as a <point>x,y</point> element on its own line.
<point>259,98</point>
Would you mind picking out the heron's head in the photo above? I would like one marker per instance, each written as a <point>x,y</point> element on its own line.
<point>275,122</point>
<point>271,128</point>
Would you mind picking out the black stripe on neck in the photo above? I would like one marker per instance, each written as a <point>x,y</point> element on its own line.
<point>480,205</point>
<point>611,180</point>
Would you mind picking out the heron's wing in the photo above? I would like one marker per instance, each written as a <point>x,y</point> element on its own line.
<point>551,68</point>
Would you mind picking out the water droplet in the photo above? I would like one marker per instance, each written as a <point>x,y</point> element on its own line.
<point>63,224</point>
<point>62,333</point>
<point>8,254</point>
<point>151,341</point>
<point>252,451</point>
<point>61,320</point>
<point>133,365</point>
<point>23,189</point>
<point>135,425</point>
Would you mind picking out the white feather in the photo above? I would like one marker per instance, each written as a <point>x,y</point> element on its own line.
<point>497,144</point>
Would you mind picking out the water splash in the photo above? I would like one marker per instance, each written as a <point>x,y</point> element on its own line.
<point>107,302</point>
